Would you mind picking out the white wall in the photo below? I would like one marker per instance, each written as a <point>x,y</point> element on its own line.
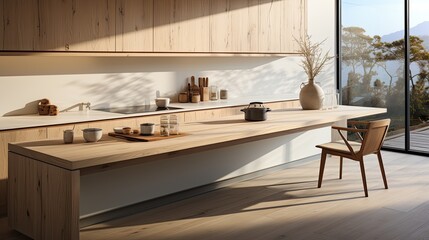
<point>119,81</point>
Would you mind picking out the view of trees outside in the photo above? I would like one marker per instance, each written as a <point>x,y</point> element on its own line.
<point>373,64</point>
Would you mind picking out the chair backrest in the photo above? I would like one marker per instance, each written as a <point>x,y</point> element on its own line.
<point>374,137</point>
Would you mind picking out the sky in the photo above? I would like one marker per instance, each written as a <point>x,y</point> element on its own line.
<point>381,17</point>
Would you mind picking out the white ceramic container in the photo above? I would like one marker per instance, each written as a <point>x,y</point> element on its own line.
<point>92,134</point>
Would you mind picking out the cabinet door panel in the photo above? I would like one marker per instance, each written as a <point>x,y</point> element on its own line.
<point>181,26</point>
<point>7,137</point>
<point>55,25</point>
<point>1,26</point>
<point>134,25</point>
<point>270,29</point>
<point>294,23</point>
<point>20,21</point>
<point>93,25</point>
<point>234,25</point>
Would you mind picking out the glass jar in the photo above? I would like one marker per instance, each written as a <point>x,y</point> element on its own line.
<point>164,127</point>
<point>174,125</point>
<point>213,93</point>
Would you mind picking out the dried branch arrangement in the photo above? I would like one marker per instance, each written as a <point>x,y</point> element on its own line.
<point>314,60</point>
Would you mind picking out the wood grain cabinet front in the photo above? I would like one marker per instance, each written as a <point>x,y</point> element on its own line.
<point>134,25</point>
<point>51,25</point>
<point>149,26</point>
<point>181,26</point>
<point>19,24</point>
<point>234,25</point>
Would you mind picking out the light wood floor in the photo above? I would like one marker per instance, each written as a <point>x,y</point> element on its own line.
<point>288,205</point>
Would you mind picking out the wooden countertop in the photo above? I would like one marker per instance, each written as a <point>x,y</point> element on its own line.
<point>203,135</point>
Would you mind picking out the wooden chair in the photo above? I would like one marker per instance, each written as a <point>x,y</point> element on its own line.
<point>371,142</point>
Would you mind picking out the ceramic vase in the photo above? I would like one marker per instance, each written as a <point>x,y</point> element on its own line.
<point>311,96</point>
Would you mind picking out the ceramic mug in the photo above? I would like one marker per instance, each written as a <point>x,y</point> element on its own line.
<point>68,136</point>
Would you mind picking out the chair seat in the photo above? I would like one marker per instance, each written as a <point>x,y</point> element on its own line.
<point>340,146</point>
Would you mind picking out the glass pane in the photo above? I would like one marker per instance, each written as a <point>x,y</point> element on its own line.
<point>419,75</point>
<point>372,65</point>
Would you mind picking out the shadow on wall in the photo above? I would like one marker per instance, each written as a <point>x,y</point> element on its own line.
<point>29,108</point>
<point>119,89</point>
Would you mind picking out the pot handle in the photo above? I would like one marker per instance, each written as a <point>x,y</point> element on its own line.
<point>243,110</point>
<point>268,110</point>
<point>255,103</point>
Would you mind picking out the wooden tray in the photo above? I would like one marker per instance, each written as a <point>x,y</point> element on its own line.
<point>141,138</point>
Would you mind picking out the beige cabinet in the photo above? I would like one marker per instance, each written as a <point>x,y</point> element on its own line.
<point>7,137</point>
<point>134,25</point>
<point>294,24</point>
<point>55,25</point>
<point>51,25</point>
<point>19,24</point>
<point>280,21</point>
<point>181,26</point>
<point>234,25</point>
<point>93,25</point>
<point>158,26</point>
<point>270,25</point>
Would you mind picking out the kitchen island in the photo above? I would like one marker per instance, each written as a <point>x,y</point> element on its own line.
<point>45,176</point>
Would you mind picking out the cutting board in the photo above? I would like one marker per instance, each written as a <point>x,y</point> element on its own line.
<point>141,138</point>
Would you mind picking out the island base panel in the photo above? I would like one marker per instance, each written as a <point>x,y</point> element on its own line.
<point>43,199</point>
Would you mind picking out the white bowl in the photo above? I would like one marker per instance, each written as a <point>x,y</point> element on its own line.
<point>118,130</point>
<point>162,102</point>
<point>92,134</point>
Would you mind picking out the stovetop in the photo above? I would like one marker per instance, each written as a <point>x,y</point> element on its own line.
<point>137,109</point>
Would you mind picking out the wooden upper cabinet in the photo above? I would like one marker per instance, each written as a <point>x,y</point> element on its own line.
<point>270,25</point>
<point>134,25</point>
<point>93,25</point>
<point>181,26</point>
<point>20,21</point>
<point>234,26</point>
<point>1,26</point>
<point>175,26</point>
<point>55,25</point>
<point>281,21</point>
<point>294,23</point>
<point>52,25</point>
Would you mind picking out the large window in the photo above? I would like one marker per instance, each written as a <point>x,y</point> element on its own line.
<point>384,62</point>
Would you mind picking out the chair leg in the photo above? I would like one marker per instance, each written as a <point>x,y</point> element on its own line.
<point>341,167</point>
<point>380,162</point>
<point>322,168</point>
<point>362,171</point>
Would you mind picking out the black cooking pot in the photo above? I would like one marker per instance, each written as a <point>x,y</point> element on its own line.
<point>255,112</point>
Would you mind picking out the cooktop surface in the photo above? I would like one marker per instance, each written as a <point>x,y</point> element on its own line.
<point>137,109</point>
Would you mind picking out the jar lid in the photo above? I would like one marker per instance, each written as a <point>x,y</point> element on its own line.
<point>147,124</point>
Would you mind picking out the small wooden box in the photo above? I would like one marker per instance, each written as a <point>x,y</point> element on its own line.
<point>204,92</point>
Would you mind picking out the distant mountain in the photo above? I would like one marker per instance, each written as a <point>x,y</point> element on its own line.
<point>421,30</point>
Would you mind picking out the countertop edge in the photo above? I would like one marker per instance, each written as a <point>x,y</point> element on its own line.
<point>189,107</point>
